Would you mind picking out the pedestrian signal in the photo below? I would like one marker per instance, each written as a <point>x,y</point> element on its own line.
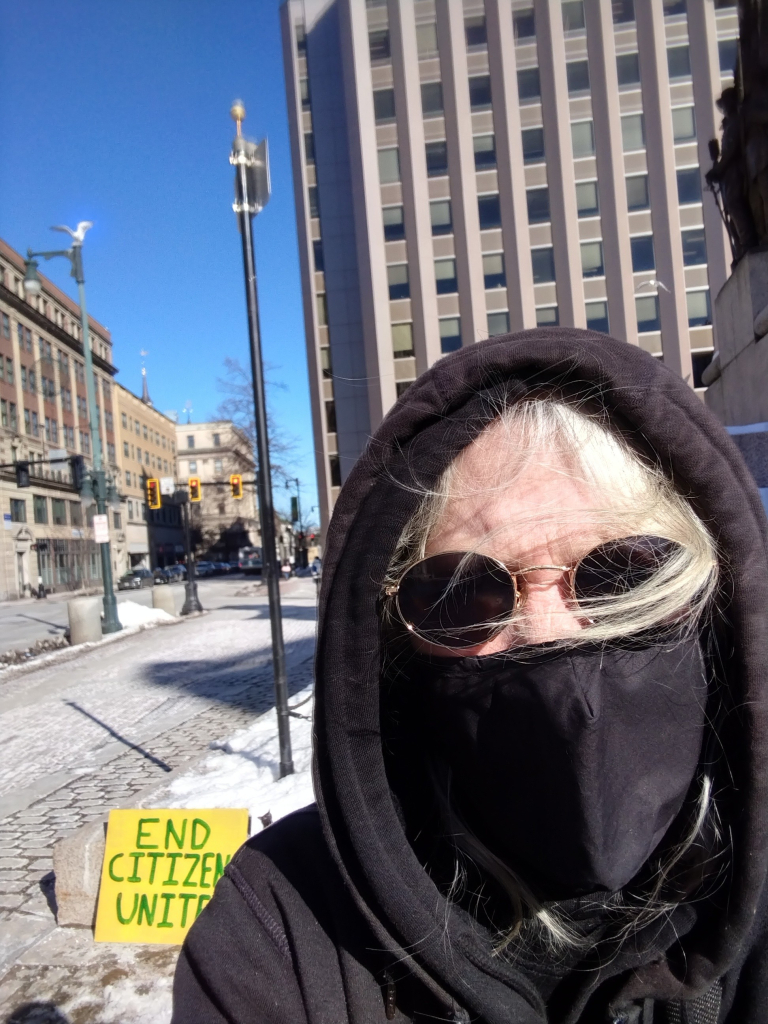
<point>236,483</point>
<point>195,489</point>
<point>153,493</point>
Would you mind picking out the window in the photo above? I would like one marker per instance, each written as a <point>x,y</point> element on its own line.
<point>597,317</point>
<point>6,326</point>
<point>12,416</point>
<point>647,310</point>
<point>426,40</point>
<point>27,422</point>
<point>335,469</point>
<point>397,279</point>
<point>437,159</point>
<point>694,247</point>
<point>314,208</point>
<point>216,441</point>
<point>577,74</point>
<point>683,124</point>
<point>637,192</point>
<point>325,362</point>
<point>23,378</point>
<point>384,105</point>
<point>475,31</point>
<point>489,211</point>
<point>125,449</point>
<point>632,132</point>
<point>317,256</point>
<point>9,370</point>
<point>728,50</point>
<point>304,93</point>
<point>190,440</point>
<point>3,412</point>
<point>673,7</point>
<point>389,165</point>
<point>498,323</point>
<point>689,185</point>
<point>547,316</point>
<point>480,92</point>
<point>440,216</point>
<point>402,340</point>
<point>538,205</point>
<point>401,386</point>
<point>127,478</point>
<point>450,334</point>
<point>528,84</point>
<point>643,257</point>
<point>193,466</point>
<point>485,151</point>
<point>322,309</point>
<point>678,61</point>
<point>699,362</point>
<point>378,43</point>
<point>118,520</point>
<point>76,513</point>
<point>573,16</point>
<point>445,276</point>
<point>628,68</point>
<point>586,199</point>
<point>533,145</point>
<point>330,417</point>
<point>145,431</point>
<point>59,511</point>
<point>699,311</point>
<point>721,5</point>
<point>18,510</point>
<point>40,506</point>
<point>137,427</point>
<point>543,262</point>
<point>493,270</point>
<point>524,24</point>
<point>583,138</point>
<point>309,147</point>
<point>130,508</point>
<point>394,226</point>
<point>432,99</point>
<point>592,259</point>
<point>138,454</point>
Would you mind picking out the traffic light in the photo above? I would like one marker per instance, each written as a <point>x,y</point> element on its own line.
<point>153,493</point>
<point>195,489</point>
<point>77,465</point>
<point>22,474</point>
<point>236,483</point>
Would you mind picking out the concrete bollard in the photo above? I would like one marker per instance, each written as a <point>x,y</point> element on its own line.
<point>84,619</point>
<point>77,866</point>
<point>164,598</point>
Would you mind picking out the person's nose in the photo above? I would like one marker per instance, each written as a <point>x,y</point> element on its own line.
<point>548,611</point>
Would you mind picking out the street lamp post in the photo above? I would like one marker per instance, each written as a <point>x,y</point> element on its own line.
<point>302,550</point>
<point>251,195</point>
<point>102,489</point>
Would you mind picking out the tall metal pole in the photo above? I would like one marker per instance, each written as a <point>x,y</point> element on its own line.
<point>191,601</point>
<point>111,623</point>
<point>244,156</point>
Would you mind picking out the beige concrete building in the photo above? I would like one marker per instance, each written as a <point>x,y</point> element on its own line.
<point>44,409</point>
<point>146,447</point>
<point>467,167</point>
<point>213,452</point>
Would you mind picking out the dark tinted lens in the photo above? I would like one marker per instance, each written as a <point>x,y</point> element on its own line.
<point>456,599</point>
<point>620,566</point>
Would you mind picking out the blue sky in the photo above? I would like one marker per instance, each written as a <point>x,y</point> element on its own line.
<point>118,112</point>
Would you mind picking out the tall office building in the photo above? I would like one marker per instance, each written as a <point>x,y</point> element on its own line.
<point>464,168</point>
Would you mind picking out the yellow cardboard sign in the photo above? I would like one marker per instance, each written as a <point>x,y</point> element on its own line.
<point>160,868</point>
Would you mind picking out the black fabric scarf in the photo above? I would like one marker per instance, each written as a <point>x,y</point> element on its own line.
<point>570,765</point>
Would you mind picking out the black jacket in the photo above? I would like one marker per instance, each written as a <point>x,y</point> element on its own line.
<point>329,917</point>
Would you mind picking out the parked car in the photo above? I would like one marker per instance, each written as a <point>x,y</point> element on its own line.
<point>204,569</point>
<point>162,575</point>
<point>222,567</point>
<point>135,579</point>
<point>178,573</point>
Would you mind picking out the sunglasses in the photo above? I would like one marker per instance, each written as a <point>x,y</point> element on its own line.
<point>461,599</point>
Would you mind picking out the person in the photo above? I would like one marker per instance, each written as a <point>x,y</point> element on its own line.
<point>541,727</point>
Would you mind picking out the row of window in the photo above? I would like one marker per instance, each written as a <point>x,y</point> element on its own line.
<point>148,433</point>
<point>218,467</point>
<point>191,440</point>
<point>62,512</point>
<point>129,452</point>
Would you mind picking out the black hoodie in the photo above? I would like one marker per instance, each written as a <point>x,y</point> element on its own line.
<point>329,917</point>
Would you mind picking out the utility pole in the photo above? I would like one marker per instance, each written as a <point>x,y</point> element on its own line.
<point>251,164</point>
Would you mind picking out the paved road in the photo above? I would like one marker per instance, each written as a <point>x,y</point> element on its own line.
<point>23,622</point>
<point>87,734</point>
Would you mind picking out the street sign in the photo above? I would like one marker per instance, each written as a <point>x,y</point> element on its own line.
<point>58,455</point>
<point>160,869</point>
<point>167,485</point>
<point>7,522</point>
<point>101,529</point>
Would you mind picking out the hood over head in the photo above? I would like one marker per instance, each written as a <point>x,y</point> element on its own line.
<point>441,413</point>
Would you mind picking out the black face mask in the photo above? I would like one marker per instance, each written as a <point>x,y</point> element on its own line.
<point>571,765</point>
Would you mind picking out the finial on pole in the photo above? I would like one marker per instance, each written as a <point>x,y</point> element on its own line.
<point>237,113</point>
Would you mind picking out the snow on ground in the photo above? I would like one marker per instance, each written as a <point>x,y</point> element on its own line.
<point>132,614</point>
<point>244,770</point>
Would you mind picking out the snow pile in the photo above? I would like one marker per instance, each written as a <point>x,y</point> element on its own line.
<point>132,614</point>
<point>244,771</point>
